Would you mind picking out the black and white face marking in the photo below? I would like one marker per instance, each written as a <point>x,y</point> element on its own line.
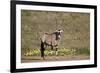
<point>59,33</point>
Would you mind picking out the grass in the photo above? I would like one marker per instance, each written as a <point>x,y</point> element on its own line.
<point>76,26</point>
<point>61,52</point>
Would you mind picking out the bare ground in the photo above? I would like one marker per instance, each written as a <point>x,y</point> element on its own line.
<point>26,59</point>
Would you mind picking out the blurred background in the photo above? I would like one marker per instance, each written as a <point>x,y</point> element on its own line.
<point>76,28</point>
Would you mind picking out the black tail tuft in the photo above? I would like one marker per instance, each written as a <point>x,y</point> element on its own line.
<point>42,49</point>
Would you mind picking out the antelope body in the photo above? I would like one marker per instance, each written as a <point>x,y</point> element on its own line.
<point>52,40</point>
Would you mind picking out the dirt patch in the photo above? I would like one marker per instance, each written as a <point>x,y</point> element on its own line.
<point>26,59</point>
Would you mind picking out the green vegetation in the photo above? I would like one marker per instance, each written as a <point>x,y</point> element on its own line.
<point>61,52</point>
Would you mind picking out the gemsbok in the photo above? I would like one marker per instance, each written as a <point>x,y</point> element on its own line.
<point>52,40</point>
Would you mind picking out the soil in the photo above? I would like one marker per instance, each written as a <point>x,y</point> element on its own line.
<point>26,59</point>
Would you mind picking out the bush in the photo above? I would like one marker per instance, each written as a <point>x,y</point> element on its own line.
<point>61,52</point>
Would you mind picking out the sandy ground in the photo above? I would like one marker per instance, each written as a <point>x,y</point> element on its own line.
<point>53,58</point>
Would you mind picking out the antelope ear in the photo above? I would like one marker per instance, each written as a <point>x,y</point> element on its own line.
<point>60,31</point>
<point>57,31</point>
